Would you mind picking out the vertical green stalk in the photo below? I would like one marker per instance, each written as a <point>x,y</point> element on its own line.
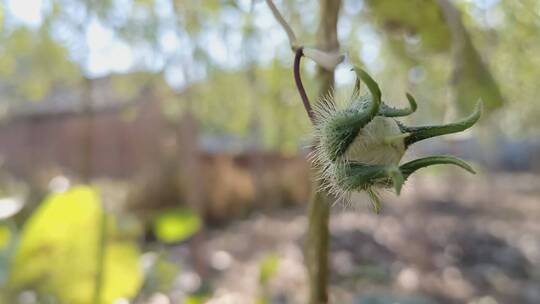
<point>319,209</point>
<point>100,258</point>
<point>317,247</point>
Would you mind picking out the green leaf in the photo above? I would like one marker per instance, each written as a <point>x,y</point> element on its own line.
<point>474,81</point>
<point>176,225</point>
<point>195,299</point>
<point>58,249</point>
<point>471,77</point>
<point>440,29</point>
<point>268,268</point>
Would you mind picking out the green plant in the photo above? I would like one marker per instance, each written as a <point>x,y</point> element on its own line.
<point>358,146</point>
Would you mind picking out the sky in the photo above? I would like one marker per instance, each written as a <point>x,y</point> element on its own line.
<point>106,54</point>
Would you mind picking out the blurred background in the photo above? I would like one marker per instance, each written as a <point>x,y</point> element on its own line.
<point>153,151</point>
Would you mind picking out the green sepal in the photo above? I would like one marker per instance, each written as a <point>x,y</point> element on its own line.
<point>388,111</point>
<point>344,127</point>
<point>424,132</point>
<point>358,176</point>
<point>371,84</point>
<point>397,178</point>
<point>375,201</point>
<point>410,167</point>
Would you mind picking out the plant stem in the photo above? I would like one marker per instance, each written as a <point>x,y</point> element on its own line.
<point>317,247</point>
<point>100,258</point>
<point>298,80</point>
<point>319,209</point>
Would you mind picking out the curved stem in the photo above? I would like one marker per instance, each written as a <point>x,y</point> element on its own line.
<point>298,80</point>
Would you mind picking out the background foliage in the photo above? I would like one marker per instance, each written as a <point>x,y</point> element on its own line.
<point>216,52</point>
<point>228,63</point>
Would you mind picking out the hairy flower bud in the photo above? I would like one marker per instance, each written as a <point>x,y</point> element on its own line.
<point>359,147</point>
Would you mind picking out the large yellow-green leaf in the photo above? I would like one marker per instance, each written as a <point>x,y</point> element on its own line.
<point>58,251</point>
<point>472,78</point>
<point>439,26</point>
<point>473,81</point>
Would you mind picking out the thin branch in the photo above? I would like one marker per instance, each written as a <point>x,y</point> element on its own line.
<point>327,59</point>
<point>292,37</point>
<point>305,100</point>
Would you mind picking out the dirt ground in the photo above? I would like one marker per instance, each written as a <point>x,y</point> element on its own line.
<point>446,239</point>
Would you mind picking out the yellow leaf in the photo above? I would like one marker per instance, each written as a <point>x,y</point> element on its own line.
<point>58,249</point>
<point>176,225</point>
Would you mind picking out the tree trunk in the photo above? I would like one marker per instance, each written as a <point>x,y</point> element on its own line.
<point>319,209</point>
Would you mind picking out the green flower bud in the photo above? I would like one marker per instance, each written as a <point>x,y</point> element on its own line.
<point>359,147</point>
